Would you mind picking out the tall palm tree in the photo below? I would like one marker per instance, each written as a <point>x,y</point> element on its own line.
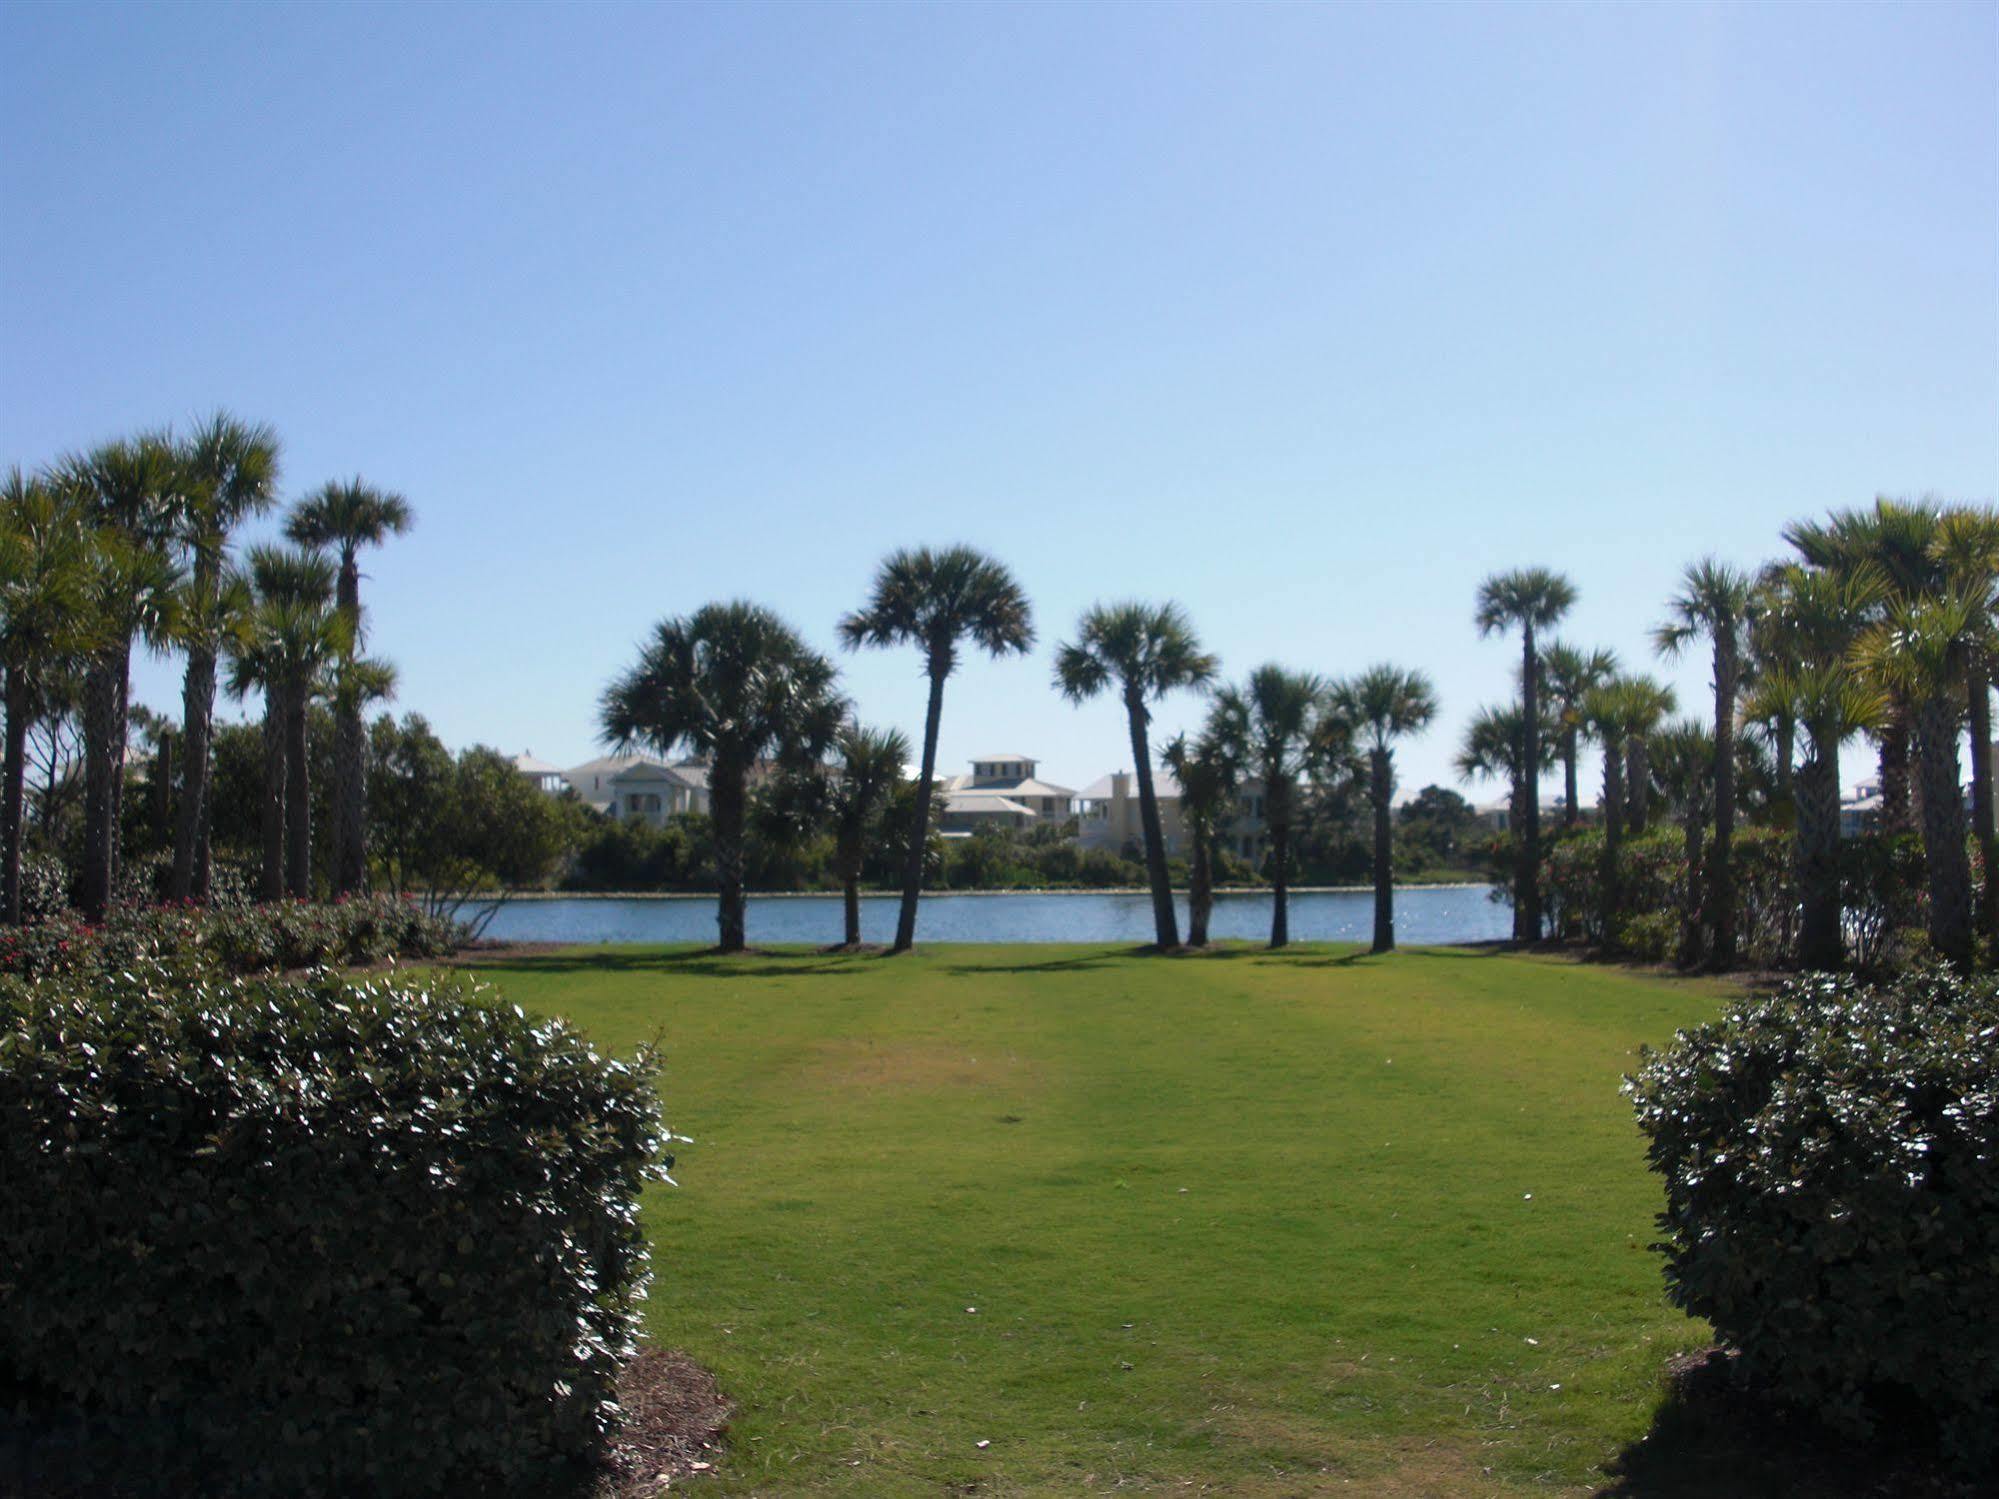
<point>130,487</point>
<point>1967,545</point>
<point>344,517</point>
<point>1650,702</point>
<point>1384,704</point>
<point>1611,711</point>
<point>1147,650</point>
<point>229,471</point>
<point>1770,653</point>
<point>872,764</point>
<point>293,634</point>
<point>1494,749</point>
<point>46,627</point>
<point>937,601</point>
<point>1270,719</point>
<point>736,685</point>
<point>1713,601</point>
<point>1682,755</point>
<point>1209,774</point>
<point>1896,541</point>
<point>1571,672</point>
<point>1819,613</point>
<point>1919,652</point>
<point>1530,600</point>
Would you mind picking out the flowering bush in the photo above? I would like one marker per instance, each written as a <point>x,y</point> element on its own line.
<point>229,938</point>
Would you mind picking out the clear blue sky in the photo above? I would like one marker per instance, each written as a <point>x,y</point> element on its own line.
<point>1307,317</point>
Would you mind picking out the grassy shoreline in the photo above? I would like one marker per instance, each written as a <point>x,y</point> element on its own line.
<point>1452,884</point>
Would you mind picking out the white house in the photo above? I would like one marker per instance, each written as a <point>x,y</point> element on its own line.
<point>545,776</point>
<point>652,792</point>
<point>1002,791</point>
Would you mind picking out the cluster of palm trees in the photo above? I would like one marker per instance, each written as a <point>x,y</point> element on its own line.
<point>740,688</point>
<point>1881,623</point>
<point>130,546</point>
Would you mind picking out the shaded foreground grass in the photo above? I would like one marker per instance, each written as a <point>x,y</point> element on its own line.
<point>1256,1224</point>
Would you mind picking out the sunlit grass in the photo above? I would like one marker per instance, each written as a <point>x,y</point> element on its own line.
<point>1264,1224</point>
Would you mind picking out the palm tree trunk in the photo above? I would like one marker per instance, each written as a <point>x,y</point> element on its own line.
<point>1978,690</point>
<point>350,818</point>
<point>13,778</point>
<point>726,797</point>
<point>1943,830</point>
<point>1721,874</point>
<point>119,734</point>
<point>1895,799</point>
<point>1278,807</point>
<point>298,796</point>
<point>919,836</point>
<point>1637,784</point>
<point>1200,885</point>
<point>1570,749</point>
<point>1381,782</point>
<point>1695,833</point>
<point>1529,875</point>
<point>100,721</point>
<point>850,892</point>
<point>1612,896</point>
<point>1165,925</point>
<point>197,718</point>
<point>1786,749</point>
<point>1821,943</point>
<point>272,886</point>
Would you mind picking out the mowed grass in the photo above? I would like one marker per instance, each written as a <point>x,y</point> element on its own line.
<point>1250,1224</point>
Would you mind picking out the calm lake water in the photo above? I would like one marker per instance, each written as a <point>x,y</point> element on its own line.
<point>1463,914</point>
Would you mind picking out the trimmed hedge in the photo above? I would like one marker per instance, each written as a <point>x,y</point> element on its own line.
<point>1831,1158</point>
<point>302,1237</point>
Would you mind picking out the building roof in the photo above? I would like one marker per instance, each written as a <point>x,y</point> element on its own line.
<point>1027,787</point>
<point>1164,786</point>
<point>988,759</point>
<point>984,804</point>
<point>608,765</point>
<point>528,765</point>
<point>652,771</point>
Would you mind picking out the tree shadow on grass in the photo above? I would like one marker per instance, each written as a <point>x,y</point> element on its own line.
<point>1715,1438</point>
<point>703,962</point>
<point>1062,960</point>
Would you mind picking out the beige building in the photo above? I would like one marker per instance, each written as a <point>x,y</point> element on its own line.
<point>1108,817</point>
<point>1002,792</point>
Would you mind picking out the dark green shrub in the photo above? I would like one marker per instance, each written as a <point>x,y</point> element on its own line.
<point>1831,1157</point>
<point>295,1237</point>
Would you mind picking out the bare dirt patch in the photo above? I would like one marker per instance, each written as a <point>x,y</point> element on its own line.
<point>675,1419</point>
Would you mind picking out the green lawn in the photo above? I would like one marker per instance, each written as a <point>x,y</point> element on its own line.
<point>1249,1224</point>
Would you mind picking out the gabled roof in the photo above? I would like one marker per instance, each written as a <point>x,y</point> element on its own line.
<point>652,773</point>
<point>608,765</point>
<point>987,759</point>
<point>1028,787</point>
<point>986,803</point>
<point>528,765</point>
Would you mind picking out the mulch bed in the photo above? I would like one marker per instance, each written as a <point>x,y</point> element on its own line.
<point>675,1417</point>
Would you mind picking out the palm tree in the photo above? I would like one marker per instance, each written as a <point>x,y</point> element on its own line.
<point>1528,599</point>
<point>130,487</point>
<point>1714,601</point>
<point>292,635</point>
<point>1621,713</point>
<point>1270,721</point>
<point>1896,541</point>
<point>1494,748</point>
<point>1383,704</point>
<point>1919,652</point>
<point>46,626</point>
<point>1967,545</point>
<point>936,601</point>
<point>736,685</point>
<point>1650,702</point>
<point>1209,773</point>
<point>872,766</point>
<point>1682,756</point>
<point>1148,650</point>
<point>1571,672</point>
<point>344,517</point>
<point>229,471</point>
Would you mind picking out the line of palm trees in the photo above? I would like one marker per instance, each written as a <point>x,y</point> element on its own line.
<point>737,686</point>
<point>1881,623</point>
<point>130,546</point>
